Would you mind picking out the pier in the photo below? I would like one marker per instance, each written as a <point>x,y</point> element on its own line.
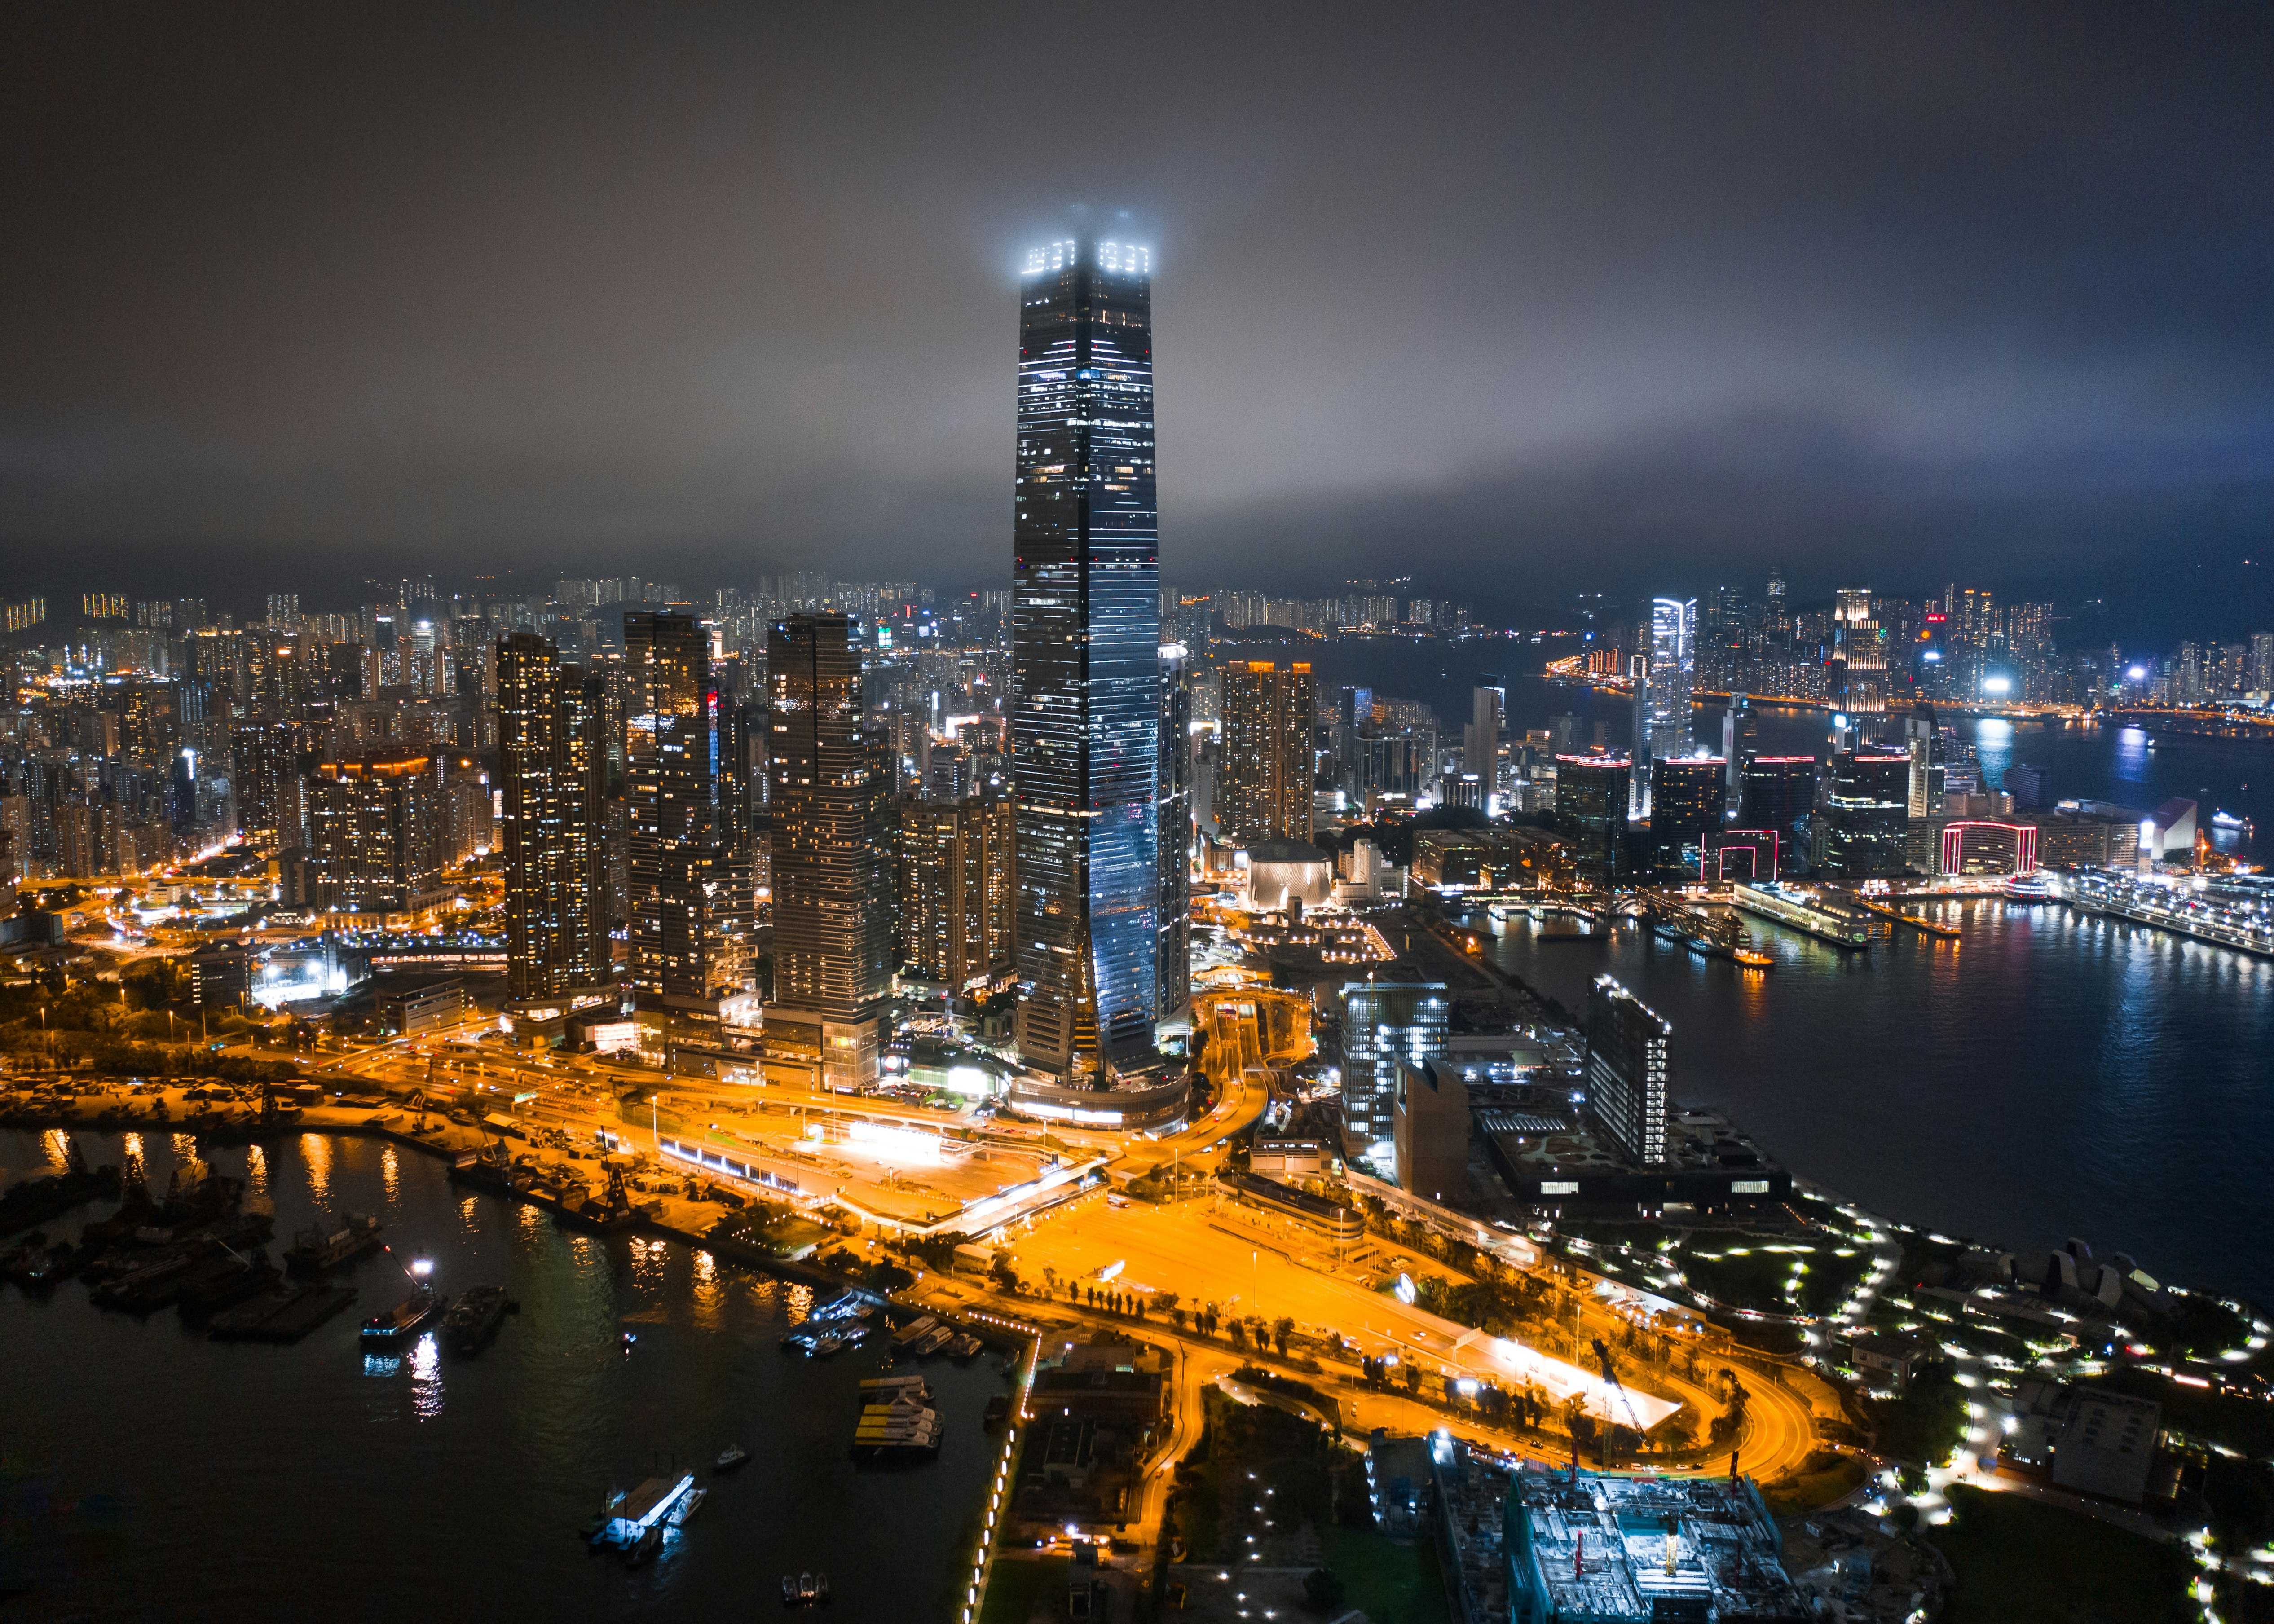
<point>2223,915</point>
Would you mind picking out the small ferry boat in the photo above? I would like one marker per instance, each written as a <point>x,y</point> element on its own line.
<point>2029,888</point>
<point>730,1457</point>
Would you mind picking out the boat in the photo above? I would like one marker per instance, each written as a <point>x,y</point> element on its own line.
<point>316,1249</point>
<point>807,1590</point>
<point>642,1551</point>
<point>933,1340</point>
<point>820,1587</point>
<point>405,1319</point>
<point>227,1280</point>
<point>965,1347</point>
<point>686,1510</point>
<point>730,1457</point>
<point>789,1591</point>
<point>2029,888</point>
<point>475,1317</point>
<point>2228,820</point>
<point>153,1285</point>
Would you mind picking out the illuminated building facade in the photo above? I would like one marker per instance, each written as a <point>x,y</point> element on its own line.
<point>1858,678</point>
<point>690,907</point>
<point>1975,846</point>
<point>376,834</point>
<point>1687,798</point>
<point>1858,832</point>
<point>828,786</point>
<point>1592,800</point>
<point>1386,1024</point>
<point>954,924</point>
<point>1776,792</point>
<point>1263,786</point>
<point>1626,1043</point>
<point>1086,661</point>
<point>1173,819</point>
<point>553,756</point>
<point>1662,712</point>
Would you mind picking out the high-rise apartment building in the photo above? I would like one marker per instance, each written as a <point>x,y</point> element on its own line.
<point>375,834</point>
<point>552,751</point>
<point>828,794</point>
<point>954,924</point>
<point>1173,819</point>
<point>1626,1073</point>
<point>1263,789</point>
<point>690,938</point>
<point>1662,712</point>
<point>1086,661</point>
<point>1386,1024</point>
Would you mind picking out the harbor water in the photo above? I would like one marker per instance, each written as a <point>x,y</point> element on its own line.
<point>149,1473</point>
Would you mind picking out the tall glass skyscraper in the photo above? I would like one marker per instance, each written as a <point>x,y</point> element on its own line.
<point>1086,661</point>
<point>1661,713</point>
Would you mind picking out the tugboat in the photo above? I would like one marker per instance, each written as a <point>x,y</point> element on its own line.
<point>407,1318</point>
<point>316,1249</point>
<point>473,1319</point>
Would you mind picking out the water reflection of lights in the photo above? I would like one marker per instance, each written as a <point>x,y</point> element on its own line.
<point>426,1379</point>
<point>316,1151</point>
<point>381,1363</point>
<point>186,1145</point>
<point>56,1144</point>
<point>647,1258</point>
<point>390,1174</point>
<point>469,1209</point>
<point>710,1291</point>
<point>256,1168</point>
<point>800,1303</point>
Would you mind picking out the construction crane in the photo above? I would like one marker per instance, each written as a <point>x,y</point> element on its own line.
<point>1611,1380</point>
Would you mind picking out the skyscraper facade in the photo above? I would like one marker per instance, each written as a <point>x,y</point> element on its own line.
<point>1626,1072</point>
<point>1263,789</point>
<point>552,767</point>
<point>1662,715</point>
<point>1086,661</point>
<point>1386,1024</point>
<point>1858,680</point>
<point>1592,798</point>
<point>1173,818</point>
<point>375,833</point>
<point>833,921</point>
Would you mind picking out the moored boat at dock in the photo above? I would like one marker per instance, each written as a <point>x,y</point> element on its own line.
<point>319,1247</point>
<point>473,1319</point>
<point>405,1319</point>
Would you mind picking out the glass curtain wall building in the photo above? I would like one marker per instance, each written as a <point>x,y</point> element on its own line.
<point>553,758</point>
<point>1086,661</point>
<point>1386,1024</point>
<point>1661,716</point>
<point>1174,816</point>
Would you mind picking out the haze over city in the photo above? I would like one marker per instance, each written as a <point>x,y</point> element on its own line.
<point>1521,293</point>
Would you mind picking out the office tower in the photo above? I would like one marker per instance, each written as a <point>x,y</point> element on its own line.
<point>1626,1072</point>
<point>2261,662</point>
<point>1263,786</point>
<point>833,921</point>
<point>1741,736</point>
<point>1385,1024</point>
<point>953,923</point>
<point>1086,660</point>
<point>1173,820</point>
<point>1662,715</point>
<point>1592,795</point>
<point>375,834</point>
<point>1429,1135</point>
<point>1858,672</point>
<point>1775,616</point>
<point>1858,832</point>
<point>553,750</point>
<point>1778,790</point>
<point>1481,738</point>
<point>1687,800</point>
<point>1923,745</point>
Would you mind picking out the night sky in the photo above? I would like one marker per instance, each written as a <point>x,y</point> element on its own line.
<point>1521,303</point>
